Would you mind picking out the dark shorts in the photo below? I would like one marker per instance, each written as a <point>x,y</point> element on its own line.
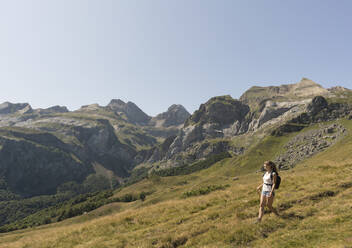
<point>267,193</point>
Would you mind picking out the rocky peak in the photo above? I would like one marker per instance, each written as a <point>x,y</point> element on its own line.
<point>306,88</point>
<point>116,104</point>
<point>256,96</point>
<point>174,116</point>
<point>222,110</point>
<point>10,108</point>
<point>133,113</point>
<point>176,108</point>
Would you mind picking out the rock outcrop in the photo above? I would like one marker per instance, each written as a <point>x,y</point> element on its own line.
<point>272,110</point>
<point>317,111</point>
<point>11,108</point>
<point>307,144</point>
<point>221,111</point>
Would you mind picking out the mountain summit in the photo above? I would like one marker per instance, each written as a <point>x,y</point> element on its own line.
<point>304,89</point>
<point>175,115</point>
<point>133,113</point>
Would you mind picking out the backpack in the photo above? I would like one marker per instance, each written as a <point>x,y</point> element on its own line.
<point>278,180</point>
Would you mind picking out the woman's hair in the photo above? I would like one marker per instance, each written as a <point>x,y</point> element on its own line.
<point>273,166</point>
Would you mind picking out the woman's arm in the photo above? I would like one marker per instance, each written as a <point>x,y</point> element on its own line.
<point>258,188</point>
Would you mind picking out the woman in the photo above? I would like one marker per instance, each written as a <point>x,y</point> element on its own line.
<point>268,186</point>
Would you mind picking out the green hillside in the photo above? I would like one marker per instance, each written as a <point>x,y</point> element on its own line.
<point>211,209</point>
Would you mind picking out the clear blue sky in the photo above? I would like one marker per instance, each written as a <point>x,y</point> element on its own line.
<point>159,52</point>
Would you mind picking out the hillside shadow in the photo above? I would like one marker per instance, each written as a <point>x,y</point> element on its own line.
<point>290,216</point>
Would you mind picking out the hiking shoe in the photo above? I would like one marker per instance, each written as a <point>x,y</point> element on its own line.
<point>257,221</point>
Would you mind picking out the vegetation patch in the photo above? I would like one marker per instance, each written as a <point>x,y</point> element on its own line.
<point>62,210</point>
<point>204,191</point>
<point>78,205</point>
<point>137,175</point>
<point>324,194</point>
<point>131,197</point>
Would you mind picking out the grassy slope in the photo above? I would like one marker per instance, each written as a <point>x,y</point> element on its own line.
<point>314,201</point>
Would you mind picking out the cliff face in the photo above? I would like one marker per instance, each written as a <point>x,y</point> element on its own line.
<point>36,162</point>
<point>33,169</point>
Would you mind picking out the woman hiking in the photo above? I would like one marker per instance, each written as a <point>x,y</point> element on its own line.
<point>267,194</point>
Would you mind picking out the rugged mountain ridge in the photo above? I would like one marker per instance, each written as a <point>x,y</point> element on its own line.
<point>91,140</point>
<point>120,136</point>
<point>259,109</point>
<point>97,147</point>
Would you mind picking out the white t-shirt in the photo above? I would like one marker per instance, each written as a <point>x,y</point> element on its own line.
<point>268,183</point>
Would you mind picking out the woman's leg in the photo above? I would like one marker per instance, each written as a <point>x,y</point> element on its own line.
<point>270,205</point>
<point>261,206</point>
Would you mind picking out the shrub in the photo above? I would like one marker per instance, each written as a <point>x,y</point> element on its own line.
<point>142,196</point>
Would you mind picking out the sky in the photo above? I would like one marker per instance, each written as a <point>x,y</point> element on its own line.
<point>157,53</point>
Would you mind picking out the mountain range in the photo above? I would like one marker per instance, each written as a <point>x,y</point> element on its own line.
<point>49,156</point>
<point>42,149</point>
